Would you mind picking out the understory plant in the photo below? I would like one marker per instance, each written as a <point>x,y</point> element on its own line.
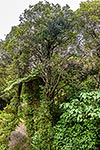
<point>79,125</point>
<point>8,122</point>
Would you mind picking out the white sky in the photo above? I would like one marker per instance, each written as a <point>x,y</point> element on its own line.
<point>10,11</point>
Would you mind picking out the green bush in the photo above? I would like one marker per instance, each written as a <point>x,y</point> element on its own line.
<point>7,124</point>
<point>8,121</point>
<point>79,125</point>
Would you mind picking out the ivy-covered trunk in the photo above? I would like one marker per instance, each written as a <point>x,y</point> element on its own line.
<point>38,119</point>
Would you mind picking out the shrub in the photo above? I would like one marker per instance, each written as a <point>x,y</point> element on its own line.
<point>79,127</point>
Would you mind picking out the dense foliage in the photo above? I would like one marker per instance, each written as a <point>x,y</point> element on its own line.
<point>78,127</point>
<point>50,78</point>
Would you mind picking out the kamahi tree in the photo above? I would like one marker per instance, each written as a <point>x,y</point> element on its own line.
<point>38,50</point>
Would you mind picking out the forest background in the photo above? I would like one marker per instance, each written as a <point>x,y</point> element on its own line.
<point>50,78</point>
